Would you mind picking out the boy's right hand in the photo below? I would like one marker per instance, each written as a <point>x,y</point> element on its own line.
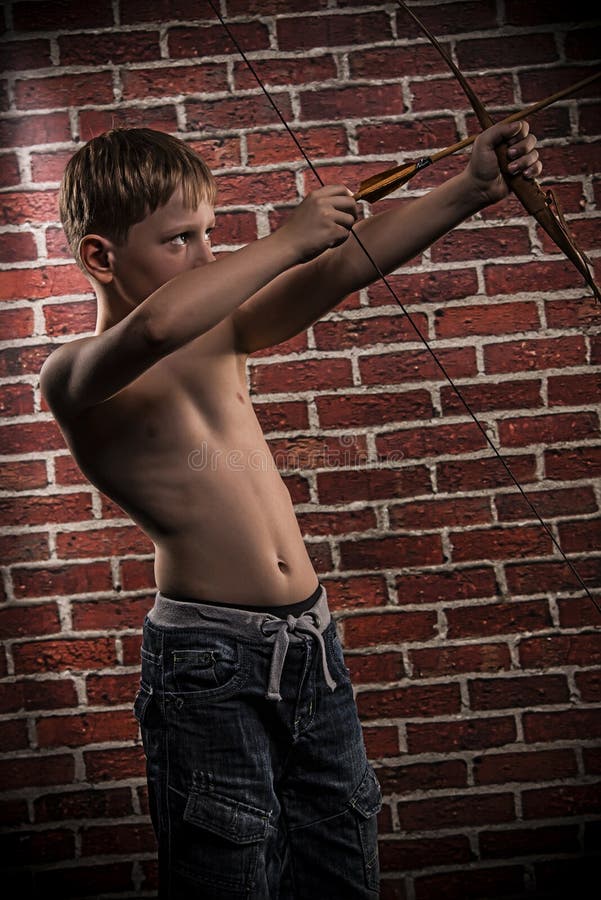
<point>323,220</point>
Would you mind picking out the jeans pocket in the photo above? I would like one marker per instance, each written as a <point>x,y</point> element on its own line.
<point>208,671</point>
<point>142,702</point>
<point>221,841</point>
<point>367,803</point>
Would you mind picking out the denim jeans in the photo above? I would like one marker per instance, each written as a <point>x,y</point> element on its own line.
<point>259,784</point>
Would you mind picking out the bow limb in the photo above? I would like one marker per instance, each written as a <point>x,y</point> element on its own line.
<point>528,192</point>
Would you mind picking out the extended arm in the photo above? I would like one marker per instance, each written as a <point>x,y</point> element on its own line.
<point>302,295</point>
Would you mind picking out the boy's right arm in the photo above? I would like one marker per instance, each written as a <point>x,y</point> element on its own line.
<point>84,373</point>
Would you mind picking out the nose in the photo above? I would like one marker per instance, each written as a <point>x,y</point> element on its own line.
<point>205,255</point>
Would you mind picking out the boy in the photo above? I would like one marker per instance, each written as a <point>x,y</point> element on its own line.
<point>258,780</point>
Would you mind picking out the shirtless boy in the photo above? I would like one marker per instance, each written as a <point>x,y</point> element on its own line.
<point>259,784</point>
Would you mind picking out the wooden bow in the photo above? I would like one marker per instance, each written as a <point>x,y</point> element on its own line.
<point>543,206</point>
<point>383,183</point>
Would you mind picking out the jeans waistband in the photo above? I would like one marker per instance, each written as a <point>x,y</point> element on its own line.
<point>168,613</point>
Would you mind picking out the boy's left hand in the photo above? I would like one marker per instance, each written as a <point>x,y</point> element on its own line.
<point>484,165</point>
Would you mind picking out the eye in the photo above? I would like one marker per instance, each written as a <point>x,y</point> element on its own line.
<point>208,234</point>
<point>182,234</point>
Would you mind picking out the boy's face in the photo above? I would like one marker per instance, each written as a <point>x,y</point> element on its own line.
<point>171,240</point>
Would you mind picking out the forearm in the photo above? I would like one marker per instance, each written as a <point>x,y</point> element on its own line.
<point>198,299</point>
<point>397,235</point>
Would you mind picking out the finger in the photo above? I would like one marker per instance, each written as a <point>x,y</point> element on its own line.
<point>346,220</point>
<point>520,134</point>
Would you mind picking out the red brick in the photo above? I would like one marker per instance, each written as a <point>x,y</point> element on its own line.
<point>537,577</point>
<point>411,135</point>
<point>372,484</point>
<point>555,428</point>
<point>549,503</point>
<point>48,281</point>
<point>493,881</point>
<point>457,584</point>
<point>500,543</point>
<point>296,33</point>
<point>498,618</point>
<point>418,854</point>
<point>280,187</point>
<point>333,335</point>
<point>528,841</point>
<point>16,400</point>
<point>64,90</point>
<point>432,441</point>
<point>440,513</point>
<point>282,416</point>
<point>173,81</point>
<point>309,452</point>
<point>562,725</point>
<point>72,317</point>
<point>578,537</point>
<point>572,390</point>
<point>573,462</point>
<point>356,102</point>
<point>25,848</point>
<point>285,71</point>
<point>502,768</point>
<point>381,741</point>
<point>86,728</point>
<point>45,128</point>
<point>39,510</point>
<point>114,765</point>
<point>589,686</point>
<point>513,356</point>
<point>191,43</point>
<point>410,702</point>
<point>560,650</point>
<point>18,548</point>
<point>306,375</point>
<point>92,122</point>
<point>119,613</point>
<point>343,522</point>
<point>17,322</point>
<point>33,54</point>
<point>13,735</point>
<point>38,619</point>
<point>461,658</point>
<point>102,542</point>
<point>36,695</point>
<point>528,691</point>
<point>136,574</point>
<point>55,656</point>
<point>390,628</point>
<point>418,60</point>
<point>354,592</point>
<point>109,689</point>
<point>112,47</point>
<point>62,579</point>
<point>467,734</point>
<point>350,410</point>
<point>118,839</point>
<point>23,475</point>
<point>25,771</point>
<point>425,287</point>
<point>409,365</point>
<point>67,471</point>
<point>561,800</point>
<point>49,165</point>
<point>486,395</point>
<point>405,779</point>
<point>454,812</point>
<point>377,667</point>
<point>48,16</point>
<point>35,207</point>
<point>9,172</point>
<point>391,552</point>
<point>83,804</point>
<point>235,112</point>
<point>446,93</point>
<point>17,247</point>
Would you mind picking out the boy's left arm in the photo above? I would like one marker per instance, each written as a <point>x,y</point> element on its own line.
<point>302,295</point>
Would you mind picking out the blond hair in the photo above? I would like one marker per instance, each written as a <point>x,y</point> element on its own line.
<point>120,177</point>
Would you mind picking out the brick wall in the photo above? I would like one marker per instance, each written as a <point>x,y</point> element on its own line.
<point>474,651</point>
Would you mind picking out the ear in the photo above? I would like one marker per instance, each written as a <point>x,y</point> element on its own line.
<point>94,251</point>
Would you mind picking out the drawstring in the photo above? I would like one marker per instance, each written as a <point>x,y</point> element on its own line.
<point>281,628</point>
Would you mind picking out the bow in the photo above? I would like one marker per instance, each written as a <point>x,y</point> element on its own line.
<point>383,183</point>
<point>543,206</point>
<point>394,295</point>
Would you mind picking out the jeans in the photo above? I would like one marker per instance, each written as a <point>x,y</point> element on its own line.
<point>259,783</point>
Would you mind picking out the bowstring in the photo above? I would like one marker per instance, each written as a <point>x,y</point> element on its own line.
<point>393,293</point>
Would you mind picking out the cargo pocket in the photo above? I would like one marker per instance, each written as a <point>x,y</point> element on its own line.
<point>367,803</point>
<point>221,842</point>
<point>141,702</point>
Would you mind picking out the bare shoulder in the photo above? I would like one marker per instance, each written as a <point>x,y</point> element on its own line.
<point>56,369</point>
